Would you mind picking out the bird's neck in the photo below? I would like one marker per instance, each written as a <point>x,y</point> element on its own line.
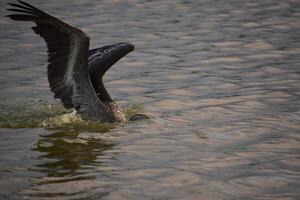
<point>102,93</point>
<point>114,110</point>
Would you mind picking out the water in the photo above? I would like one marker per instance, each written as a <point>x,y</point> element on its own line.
<point>221,79</point>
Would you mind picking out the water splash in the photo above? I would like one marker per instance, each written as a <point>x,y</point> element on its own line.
<point>28,114</point>
<point>43,114</point>
<point>135,109</point>
<point>61,120</point>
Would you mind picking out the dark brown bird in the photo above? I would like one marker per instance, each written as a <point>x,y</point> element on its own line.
<point>75,72</point>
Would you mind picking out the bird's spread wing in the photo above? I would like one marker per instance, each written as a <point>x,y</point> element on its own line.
<point>67,56</point>
<point>100,60</point>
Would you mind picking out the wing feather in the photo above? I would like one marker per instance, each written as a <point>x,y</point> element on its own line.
<point>67,56</point>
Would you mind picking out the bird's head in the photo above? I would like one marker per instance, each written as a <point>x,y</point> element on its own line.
<point>108,55</point>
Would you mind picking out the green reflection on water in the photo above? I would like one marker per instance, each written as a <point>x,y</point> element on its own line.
<point>65,153</point>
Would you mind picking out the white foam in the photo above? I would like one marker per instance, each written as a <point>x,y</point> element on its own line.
<point>61,120</point>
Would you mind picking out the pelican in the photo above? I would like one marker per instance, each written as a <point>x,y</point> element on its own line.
<point>75,73</point>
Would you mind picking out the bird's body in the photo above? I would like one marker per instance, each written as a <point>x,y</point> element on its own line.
<point>75,72</point>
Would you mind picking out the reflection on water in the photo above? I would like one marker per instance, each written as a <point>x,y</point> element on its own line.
<point>65,156</point>
<point>221,79</point>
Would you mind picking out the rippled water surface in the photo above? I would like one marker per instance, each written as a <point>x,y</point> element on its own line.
<point>220,77</point>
